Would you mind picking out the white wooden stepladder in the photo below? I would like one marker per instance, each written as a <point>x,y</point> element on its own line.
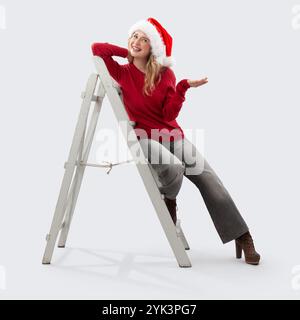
<point>98,85</point>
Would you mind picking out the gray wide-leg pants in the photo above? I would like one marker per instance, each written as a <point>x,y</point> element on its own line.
<point>170,161</point>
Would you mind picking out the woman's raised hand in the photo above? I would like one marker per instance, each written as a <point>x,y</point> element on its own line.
<point>197,83</point>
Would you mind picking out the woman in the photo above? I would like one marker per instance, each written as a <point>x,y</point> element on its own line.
<point>153,100</point>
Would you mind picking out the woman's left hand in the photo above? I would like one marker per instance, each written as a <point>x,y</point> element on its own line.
<point>197,83</point>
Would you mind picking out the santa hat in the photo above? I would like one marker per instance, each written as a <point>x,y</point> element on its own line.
<point>160,40</point>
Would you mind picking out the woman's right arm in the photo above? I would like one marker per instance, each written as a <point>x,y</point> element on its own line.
<point>106,51</point>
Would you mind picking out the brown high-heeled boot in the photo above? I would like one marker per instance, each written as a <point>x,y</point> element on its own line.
<point>172,207</point>
<point>245,243</point>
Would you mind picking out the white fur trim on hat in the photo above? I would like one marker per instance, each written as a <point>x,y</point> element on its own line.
<point>157,45</point>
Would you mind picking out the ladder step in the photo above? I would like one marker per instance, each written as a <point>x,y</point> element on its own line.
<point>94,97</point>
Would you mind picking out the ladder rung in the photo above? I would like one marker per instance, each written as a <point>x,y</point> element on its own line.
<point>94,97</point>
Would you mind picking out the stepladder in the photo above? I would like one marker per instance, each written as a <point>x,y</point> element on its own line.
<point>99,86</point>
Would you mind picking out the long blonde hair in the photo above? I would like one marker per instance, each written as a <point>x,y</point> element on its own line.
<point>153,75</point>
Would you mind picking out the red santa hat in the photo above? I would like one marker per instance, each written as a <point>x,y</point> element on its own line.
<point>160,40</point>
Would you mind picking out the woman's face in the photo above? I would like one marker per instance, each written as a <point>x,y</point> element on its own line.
<point>139,45</point>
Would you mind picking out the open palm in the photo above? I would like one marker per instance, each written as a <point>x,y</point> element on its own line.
<point>197,83</point>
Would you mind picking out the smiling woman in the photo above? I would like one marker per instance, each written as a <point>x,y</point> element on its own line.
<point>143,54</point>
<point>155,110</point>
<point>139,49</point>
<point>153,101</point>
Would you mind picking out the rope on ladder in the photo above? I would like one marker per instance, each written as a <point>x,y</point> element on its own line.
<point>108,165</point>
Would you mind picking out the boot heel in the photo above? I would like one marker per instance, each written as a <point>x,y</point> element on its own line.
<point>238,250</point>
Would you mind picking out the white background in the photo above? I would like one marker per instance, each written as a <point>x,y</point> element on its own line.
<point>249,111</point>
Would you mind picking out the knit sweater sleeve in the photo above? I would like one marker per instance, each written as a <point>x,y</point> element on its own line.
<point>175,97</point>
<point>106,50</point>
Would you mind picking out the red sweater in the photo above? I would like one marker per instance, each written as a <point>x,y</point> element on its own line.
<point>157,111</point>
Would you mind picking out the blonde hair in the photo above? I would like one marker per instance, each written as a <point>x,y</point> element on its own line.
<point>153,75</point>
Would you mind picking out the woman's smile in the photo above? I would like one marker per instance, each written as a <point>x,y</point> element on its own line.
<point>136,49</point>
